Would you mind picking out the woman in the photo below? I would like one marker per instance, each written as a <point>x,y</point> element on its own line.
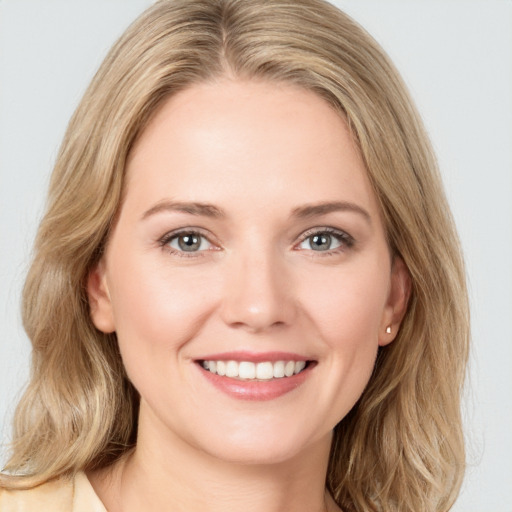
<point>247,289</point>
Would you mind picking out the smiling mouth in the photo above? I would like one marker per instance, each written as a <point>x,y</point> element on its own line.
<point>250,371</point>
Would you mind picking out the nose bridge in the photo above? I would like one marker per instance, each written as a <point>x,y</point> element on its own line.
<point>257,292</point>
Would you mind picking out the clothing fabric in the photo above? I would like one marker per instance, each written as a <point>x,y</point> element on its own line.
<point>63,495</point>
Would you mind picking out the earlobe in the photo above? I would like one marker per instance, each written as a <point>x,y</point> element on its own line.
<point>99,299</point>
<point>398,300</point>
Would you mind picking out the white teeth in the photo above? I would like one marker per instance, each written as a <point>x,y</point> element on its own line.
<point>279,369</point>
<point>221,368</point>
<point>264,371</point>
<point>289,368</point>
<point>248,370</point>
<point>299,366</point>
<point>231,369</point>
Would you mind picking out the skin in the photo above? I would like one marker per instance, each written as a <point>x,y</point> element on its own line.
<point>257,151</point>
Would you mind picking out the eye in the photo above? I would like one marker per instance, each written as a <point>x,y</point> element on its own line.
<point>187,241</point>
<point>326,240</point>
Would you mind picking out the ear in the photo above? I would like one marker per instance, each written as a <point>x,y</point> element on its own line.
<point>396,306</point>
<point>99,299</point>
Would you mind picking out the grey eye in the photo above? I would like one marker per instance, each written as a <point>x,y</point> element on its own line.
<point>189,242</point>
<point>321,242</point>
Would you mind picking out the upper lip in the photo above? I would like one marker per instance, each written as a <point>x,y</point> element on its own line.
<point>255,357</point>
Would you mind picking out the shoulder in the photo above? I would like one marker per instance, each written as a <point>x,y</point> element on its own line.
<point>61,495</point>
<point>56,496</point>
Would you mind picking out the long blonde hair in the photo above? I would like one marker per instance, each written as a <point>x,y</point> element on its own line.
<point>401,447</point>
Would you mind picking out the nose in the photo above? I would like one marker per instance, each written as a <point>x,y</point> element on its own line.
<point>258,292</point>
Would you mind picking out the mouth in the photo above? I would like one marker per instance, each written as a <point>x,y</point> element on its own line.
<point>255,371</point>
<point>249,376</point>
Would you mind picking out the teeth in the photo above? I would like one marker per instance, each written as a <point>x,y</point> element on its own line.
<point>299,366</point>
<point>264,371</point>
<point>248,370</point>
<point>279,369</point>
<point>221,367</point>
<point>231,369</point>
<point>289,368</point>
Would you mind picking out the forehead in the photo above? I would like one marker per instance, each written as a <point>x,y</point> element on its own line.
<point>268,141</point>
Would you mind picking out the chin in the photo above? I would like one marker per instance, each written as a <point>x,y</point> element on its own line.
<point>255,456</point>
<point>264,446</point>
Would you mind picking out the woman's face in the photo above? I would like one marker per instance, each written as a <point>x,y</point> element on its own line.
<point>249,246</point>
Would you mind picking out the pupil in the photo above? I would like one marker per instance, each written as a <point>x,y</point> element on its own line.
<point>321,242</point>
<point>189,242</point>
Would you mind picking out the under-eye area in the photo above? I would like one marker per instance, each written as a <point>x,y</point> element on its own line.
<point>248,370</point>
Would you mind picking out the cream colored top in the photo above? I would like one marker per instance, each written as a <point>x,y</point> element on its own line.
<point>75,495</point>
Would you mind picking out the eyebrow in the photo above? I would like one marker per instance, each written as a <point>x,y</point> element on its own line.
<point>212,211</point>
<point>315,210</point>
<point>193,208</point>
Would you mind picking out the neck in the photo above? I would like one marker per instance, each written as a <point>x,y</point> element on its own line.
<point>169,474</point>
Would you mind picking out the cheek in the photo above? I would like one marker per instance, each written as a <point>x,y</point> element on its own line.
<point>347,305</point>
<point>157,310</point>
<point>346,308</point>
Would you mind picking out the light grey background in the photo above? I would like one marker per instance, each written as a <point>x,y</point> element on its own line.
<point>456,56</point>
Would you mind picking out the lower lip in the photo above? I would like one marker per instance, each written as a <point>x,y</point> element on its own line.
<point>256,389</point>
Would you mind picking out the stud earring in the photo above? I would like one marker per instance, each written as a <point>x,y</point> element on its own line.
<point>388,329</point>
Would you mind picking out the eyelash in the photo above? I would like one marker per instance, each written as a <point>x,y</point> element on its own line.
<point>346,240</point>
<point>169,237</point>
